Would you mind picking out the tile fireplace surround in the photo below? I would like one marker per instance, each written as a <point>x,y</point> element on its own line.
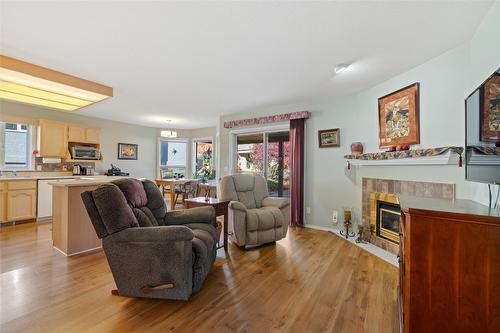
<point>374,189</point>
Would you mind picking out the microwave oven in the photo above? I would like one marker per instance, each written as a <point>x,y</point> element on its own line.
<point>85,153</point>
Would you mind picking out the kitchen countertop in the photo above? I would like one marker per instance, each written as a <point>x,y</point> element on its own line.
<point>9,178</point>
<point>85,181</point>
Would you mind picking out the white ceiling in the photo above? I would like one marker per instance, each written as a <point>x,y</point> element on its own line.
<point>192,61</point>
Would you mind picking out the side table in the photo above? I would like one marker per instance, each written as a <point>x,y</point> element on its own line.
<point>221,208</point>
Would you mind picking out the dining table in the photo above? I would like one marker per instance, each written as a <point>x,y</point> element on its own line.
<point>172,183</point>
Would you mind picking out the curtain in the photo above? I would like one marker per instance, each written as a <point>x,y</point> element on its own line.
<point>297,168</point>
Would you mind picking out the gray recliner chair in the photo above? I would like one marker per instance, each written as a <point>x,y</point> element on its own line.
<point>254,217</point>
<point>151,253</point>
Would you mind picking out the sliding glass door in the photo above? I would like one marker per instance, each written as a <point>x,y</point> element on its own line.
<point>268,154</point>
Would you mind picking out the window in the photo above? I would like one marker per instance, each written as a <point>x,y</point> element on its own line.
<point>203,159</point>
<point>173,158</point>
<point>15,146</point>
<point>268,154</point>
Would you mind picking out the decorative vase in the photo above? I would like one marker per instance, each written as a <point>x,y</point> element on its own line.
<point>356,148</point>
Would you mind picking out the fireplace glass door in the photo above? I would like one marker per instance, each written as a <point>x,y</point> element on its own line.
<point>388,219</point>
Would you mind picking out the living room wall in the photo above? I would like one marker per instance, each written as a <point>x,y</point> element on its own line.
<point>445,82</point>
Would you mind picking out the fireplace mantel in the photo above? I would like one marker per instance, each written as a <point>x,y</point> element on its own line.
<point>432,156</point>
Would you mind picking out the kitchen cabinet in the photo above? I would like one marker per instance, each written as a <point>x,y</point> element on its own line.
<point>3,205</point>
<point>53,139</point>
<point>17,200</point>
<point>83,134</point>
<point>92,135</point>
<point>21,205</point>
<point>76,133</point>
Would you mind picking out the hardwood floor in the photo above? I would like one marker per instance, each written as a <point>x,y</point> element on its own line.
<point>312,281</point>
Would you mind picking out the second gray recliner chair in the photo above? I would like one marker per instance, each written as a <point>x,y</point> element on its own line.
<point>254,217</point>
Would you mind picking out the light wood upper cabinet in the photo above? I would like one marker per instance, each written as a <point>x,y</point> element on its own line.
<point>76,133</point>
<point>53,140</point>
<point>93,135</point>
<point>84,134</point>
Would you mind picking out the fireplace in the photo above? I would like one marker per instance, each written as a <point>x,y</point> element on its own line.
<point>387,222</point>
<point>388,191</point>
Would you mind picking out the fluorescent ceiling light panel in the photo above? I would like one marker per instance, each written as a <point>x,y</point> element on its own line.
<point>27,83</point>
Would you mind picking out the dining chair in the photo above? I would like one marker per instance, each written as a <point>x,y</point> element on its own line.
<point>165,189</point>
<point>189,188</point>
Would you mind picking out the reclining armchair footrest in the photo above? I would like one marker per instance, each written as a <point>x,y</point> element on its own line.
<point>150,289</point>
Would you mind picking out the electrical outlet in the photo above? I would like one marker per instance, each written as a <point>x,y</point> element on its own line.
<point>335,216</point>
<point>308,210</point>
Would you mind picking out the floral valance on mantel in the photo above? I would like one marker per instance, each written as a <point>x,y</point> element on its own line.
<point>415,153</point>
<point>267,119</point>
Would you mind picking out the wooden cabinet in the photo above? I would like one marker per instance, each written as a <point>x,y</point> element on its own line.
<point>3,205</point>
<point>53,139</point>
<point>21,205</point>
<point>18,200</point>
<point>449,266</point>
<point>76,133</point>
<point>83,134</point>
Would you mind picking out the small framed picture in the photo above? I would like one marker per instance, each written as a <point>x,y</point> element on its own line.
<point>329,138</point>
<point>127,151</point>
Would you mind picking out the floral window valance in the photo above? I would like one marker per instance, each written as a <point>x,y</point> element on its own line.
<point>267,119</point>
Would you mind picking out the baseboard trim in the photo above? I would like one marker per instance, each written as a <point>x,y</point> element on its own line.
<point>77,253</point>
<point>375,250</point>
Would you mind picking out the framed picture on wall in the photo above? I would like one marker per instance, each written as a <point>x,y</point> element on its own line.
<point>329,138</point>
<point>398,115</point>
<point>127,151</point>
<point>490,109</point>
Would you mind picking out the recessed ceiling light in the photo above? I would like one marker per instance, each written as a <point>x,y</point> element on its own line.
<point>340,68</point>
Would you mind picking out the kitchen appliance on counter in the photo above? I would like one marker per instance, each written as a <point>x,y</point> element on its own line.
<point>79,170</point>
<point>85,153</point>
<point>116,171</point>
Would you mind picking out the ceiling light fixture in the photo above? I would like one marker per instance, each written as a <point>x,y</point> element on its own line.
<point>168,133</point>
<point>28,83</point>
<point>340,68</point>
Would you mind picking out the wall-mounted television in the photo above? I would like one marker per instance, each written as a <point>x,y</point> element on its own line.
<point>482,132</point>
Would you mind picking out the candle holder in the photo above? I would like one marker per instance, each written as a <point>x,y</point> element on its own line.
<point>360,238</point>
<point>347,224</point>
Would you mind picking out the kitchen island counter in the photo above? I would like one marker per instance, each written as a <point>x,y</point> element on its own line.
<point>72,230</point>
<point>78,181</point>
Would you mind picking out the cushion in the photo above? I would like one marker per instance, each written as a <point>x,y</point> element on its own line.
<point>264,218</point>
<point>243,182</point>
<point>113,208</point>
<point>247,198</point>
<point>156,203</point>
<point>203,254</point>
<point>260,191</point>
<point>133,191</point>
<point>144,217</point>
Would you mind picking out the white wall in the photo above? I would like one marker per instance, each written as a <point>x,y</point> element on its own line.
<point>445,82</point>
